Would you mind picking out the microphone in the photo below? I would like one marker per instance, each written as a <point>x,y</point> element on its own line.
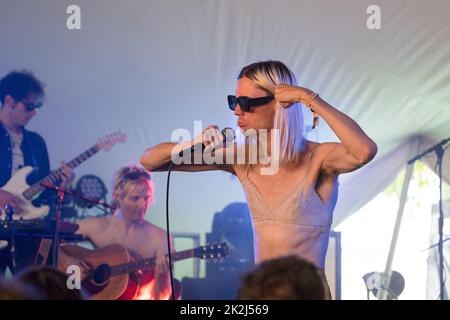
<point>228,136</point>
<point>113,205</point>
<point>227,133</point>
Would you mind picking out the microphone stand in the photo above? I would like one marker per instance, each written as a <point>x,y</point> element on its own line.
<point>439,150</point>
<point>9,211</point>
<point>59,200</point>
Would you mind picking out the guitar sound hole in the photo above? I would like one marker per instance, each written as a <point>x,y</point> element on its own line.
<point>101,274</point>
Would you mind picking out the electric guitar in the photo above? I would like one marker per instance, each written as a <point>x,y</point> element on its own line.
<point>18,186</point>
<point>120,274</point>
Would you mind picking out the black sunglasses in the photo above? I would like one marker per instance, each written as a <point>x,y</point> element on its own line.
<point>29,106</point>
<point>246,103</point>
<point>135,175</point>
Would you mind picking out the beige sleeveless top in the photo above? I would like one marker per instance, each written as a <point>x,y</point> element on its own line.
<point>299,224</point>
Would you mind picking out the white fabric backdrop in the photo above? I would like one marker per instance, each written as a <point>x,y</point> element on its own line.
<point>149,67</point>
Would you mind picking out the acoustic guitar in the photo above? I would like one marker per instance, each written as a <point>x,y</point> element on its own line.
<point>120,274</point>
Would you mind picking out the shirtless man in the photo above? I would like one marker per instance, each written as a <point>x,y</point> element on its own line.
<point>133,189</point>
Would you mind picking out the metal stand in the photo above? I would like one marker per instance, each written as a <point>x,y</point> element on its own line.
<point>59,200</point>
<point>439,150</point>
<point>11,225</point>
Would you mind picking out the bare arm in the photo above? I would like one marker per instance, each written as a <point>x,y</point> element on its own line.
<point>86,227</point>
<point>89,227</point>
<point>162,287</point>
<point>159,157</point>
<point>356,148</point>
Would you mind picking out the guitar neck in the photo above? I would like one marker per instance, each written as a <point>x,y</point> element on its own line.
<point>56,174</point>
<point>144,264</point>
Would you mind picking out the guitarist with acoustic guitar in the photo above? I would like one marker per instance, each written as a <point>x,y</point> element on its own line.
<point>21,95</point>
<point>133,191</point>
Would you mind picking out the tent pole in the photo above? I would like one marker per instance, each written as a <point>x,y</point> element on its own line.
<point>386,278</point>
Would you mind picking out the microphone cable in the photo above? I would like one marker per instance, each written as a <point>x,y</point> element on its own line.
<point>168,232</point>
<point>169,170</point>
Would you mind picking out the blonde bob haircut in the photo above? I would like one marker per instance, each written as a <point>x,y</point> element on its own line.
<point>289,121</point>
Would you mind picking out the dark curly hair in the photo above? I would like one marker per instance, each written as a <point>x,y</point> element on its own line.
<point>19,85</point>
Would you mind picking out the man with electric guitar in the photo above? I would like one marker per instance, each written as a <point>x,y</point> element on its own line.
<point>21,95</point>
<point>25,168</point>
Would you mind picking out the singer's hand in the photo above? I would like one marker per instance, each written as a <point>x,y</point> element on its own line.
<point>67,174</point>
<point>7,198</point>
<point>211,138</point>
<point>287,95</point>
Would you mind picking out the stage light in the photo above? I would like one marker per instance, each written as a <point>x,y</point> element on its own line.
<point>91,187</point>
<point>374,282</point>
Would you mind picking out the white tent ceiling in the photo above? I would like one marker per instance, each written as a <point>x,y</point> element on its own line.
<point>149,67</point>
